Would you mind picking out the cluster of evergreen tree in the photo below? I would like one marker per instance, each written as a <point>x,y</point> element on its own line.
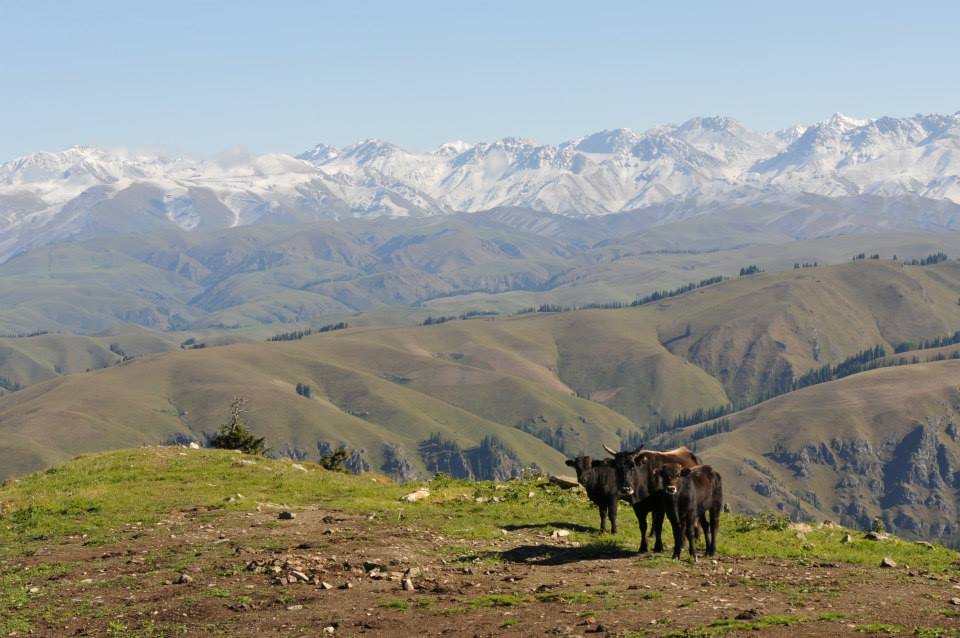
<point>631,441</point>
<point>9,385</point>
<point>752,269</point>
<point>716,427</point>
<point>24,335</point>
<point>616,305</point>
<point>431,321</point>
<point>304,390</point>
<point>860,362</point>
<point>552,437</point>
<point>295,335</point>
<point>697,416</point>
<point>664,294</point>
<point>330,327</point>
<point>929,260</point>
<point>798,265</point>
<point>940,356</point>
<point>862,256</point>
<point>937,342</point>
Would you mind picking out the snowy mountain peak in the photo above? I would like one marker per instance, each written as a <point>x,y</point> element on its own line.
<point>704,160</point>
<point>843,122</point>
<point>320,153</point>
<point>451,149</point>
<point>613,141</point>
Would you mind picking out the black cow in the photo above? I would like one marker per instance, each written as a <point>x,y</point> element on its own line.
<point>600,480</point>
<point>641,482</point>
<point>698,498</point>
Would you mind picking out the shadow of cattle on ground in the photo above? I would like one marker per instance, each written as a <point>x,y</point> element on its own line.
<point>556,554</point>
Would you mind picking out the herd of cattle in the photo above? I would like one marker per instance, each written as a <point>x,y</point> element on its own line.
<point>672,484</point>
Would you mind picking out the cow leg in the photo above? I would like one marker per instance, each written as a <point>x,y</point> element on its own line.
<point>705,526</point>
<point>642,519</point>
<point>612,509</point>
<point>714,524</point>
<point>658,529</point>
<point>603,517</point>
<point>676,526</point>
<point>688,528</point>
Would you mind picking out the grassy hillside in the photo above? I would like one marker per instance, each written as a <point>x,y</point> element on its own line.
<point>164,542</point>
<point>242,278</point>
<point>545,384</point>
<point>31,359</point>
<point>883,443</point>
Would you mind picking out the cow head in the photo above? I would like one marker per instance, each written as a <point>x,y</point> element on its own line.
<point>668,478</point>
<point>580,464</point>
<point>632,477</point>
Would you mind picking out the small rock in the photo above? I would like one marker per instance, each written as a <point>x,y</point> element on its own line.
<point>876,536</point>
<point>418,495</point>
<point>300,576</point>
<point>408,584</point>
<point>329,630</point>
<point>34,590</point>
<point>748,614</point>
<point>846,538</point>
<point>887,562</point>
<point>297,466</point>
<point>286,516</point>
<point>926,544</point>
<point>294,607</point>
<point>194,445</point>
<point>413,572</point>
<point>184,579</point>
<point>955,601</point>
<point>325,585</point>
<point>346,586</point>
<point>560,533</point>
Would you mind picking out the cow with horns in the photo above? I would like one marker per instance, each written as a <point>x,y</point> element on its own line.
<point>641,481</point>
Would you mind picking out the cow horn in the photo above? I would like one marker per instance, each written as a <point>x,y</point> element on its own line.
<point>609,451</point>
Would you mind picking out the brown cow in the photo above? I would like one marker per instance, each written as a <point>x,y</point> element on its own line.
<point>697,492</point>
<point>641,483</point>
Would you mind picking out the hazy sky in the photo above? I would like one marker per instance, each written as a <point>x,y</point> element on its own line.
<point>280,76</point>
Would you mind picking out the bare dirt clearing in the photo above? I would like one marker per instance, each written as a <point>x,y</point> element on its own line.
<point>329,572</point>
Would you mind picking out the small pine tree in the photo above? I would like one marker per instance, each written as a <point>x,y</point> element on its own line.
<point>234,435</point>
<point>334,460</point>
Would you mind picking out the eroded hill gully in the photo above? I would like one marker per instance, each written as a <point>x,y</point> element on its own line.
<point>918,470</point>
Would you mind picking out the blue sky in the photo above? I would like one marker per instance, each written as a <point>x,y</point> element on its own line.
<point>204,76</point>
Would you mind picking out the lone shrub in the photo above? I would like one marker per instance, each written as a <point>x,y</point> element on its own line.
<point>234,434</point>
<point>334,460</point>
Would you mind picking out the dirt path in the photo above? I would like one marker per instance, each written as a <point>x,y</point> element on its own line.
<point>330,573</point>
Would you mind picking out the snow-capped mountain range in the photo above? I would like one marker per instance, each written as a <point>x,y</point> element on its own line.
<point>83,191</point>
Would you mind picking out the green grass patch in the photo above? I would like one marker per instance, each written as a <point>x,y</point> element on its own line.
<point>882,628</point>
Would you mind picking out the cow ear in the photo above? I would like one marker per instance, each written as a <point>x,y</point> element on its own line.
<point>587,461</point>
<point>684,471</point>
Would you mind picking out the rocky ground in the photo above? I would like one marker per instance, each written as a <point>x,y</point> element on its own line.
<point>203,572</point>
